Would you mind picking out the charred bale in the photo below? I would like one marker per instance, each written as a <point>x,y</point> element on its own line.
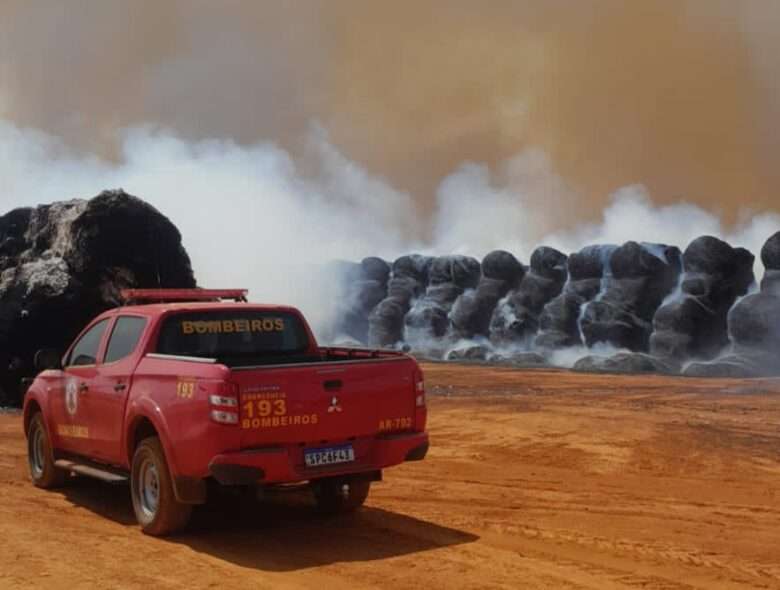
<point>625,362</point>
<point>62,264</point>
<point>366,288</point>
<point>728,367</point>
<point>469,353</point>
<point>754,328</point>
<point>754,322</point>
<point>408,279</point>
<point>770,256</point>
<point>515,320</point>
<point>639,278</point>
<point>694,324</point>
<point>472,311</point>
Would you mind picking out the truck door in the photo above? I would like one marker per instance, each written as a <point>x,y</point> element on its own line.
<point>110,386</point>
<point>71,419</point>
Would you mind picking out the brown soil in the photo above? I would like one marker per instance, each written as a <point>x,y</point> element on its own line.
<point>535,479</point>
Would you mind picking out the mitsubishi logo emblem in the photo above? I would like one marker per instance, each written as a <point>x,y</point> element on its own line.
<point>334,405</point>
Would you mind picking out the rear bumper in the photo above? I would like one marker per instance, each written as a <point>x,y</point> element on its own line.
<point>285,464</point>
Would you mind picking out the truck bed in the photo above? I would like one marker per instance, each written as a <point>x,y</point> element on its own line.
<point>342,394</point>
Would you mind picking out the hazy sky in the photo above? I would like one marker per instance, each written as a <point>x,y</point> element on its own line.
<point>679,95</point>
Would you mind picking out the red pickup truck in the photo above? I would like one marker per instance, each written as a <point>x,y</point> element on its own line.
<point>176,394</point>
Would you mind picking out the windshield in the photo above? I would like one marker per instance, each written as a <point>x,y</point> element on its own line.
<point>232,333</point>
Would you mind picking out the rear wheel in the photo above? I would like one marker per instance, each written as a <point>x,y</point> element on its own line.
<point>151,488</point>
<point>340,495</point>
<point>40,456</point>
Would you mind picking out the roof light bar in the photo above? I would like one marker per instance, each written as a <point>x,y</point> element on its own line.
<point>130,296</point>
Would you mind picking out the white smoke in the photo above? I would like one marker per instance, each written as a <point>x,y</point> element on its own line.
<point>631,215</point>
<point>252,216</point>
<point>479,211</point>
<point>248,217</point>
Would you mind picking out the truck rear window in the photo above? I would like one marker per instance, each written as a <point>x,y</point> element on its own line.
<point>232,333</point>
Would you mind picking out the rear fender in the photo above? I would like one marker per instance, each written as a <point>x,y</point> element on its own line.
<point>137,411</point>
<point>187,490</point>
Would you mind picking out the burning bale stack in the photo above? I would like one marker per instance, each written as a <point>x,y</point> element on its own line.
<point>639,308</point>
<point>631,308</point>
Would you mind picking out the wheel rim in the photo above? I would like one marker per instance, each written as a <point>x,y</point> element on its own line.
<point>148,488</point>
<point>37,453</point>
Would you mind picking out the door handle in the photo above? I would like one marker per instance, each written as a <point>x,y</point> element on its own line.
<point>83,388</point>
<point>332,384</point>
<point>120,387</point>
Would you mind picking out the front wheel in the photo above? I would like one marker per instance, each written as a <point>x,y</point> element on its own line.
<point>151,488</point>
<point>40,456</point>
<point>340,495</point>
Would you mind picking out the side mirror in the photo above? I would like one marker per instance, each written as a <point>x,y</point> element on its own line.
<point>83,360</point>
<point>47,358</point>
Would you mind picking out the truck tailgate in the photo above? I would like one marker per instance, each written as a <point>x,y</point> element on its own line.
<point>324,402</point>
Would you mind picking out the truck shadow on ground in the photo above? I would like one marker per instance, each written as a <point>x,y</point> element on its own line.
<point>106,500</point>
<point>283,532</point>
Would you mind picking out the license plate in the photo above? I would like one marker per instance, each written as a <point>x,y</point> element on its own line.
<point>331,456</point>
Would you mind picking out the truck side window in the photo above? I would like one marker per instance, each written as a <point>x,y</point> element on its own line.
<point>86,349</point>
<point>124,337</point>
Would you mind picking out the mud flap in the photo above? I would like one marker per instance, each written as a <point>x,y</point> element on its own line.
<point>417,453</point>
<point>189,490</point>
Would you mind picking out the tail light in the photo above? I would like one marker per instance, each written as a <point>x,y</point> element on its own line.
<point>224,404</point>
<point>224,417</point>
<point>221,400</point>
<point>419,389</point>
<point>420,411</point>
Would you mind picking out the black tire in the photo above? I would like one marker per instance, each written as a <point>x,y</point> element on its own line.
<point>151,489</point>
<point>340,495</point>
<point>40,456</point>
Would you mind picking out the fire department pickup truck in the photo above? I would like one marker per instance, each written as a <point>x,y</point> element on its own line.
<point>192,389</point>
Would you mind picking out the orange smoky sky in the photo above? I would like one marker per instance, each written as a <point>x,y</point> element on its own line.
<point>680,95</point>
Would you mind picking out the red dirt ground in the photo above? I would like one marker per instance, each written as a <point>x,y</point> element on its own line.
<point>535,479</point>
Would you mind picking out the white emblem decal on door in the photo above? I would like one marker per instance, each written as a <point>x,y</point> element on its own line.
<point>72,397</point>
